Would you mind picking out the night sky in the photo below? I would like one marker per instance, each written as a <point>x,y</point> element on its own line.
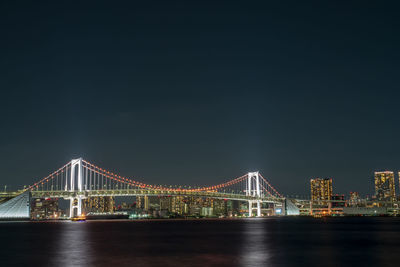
<point>200,92</point>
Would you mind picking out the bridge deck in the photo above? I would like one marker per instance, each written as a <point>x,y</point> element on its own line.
<point>144,192</point>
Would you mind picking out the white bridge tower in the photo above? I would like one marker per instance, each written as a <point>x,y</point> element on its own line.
<point>75,184</point>
<point>253,189</point>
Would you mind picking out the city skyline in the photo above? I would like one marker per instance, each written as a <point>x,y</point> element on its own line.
<point>92,192</point>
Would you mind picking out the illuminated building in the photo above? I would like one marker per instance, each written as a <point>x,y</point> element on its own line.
<point>243,208</point>
<point>138,202</point>
<point>177,205</point>
<point>43,209</point>
<point>206,211</point>
<point>399,183</point>
<point>154,204</point>
<point>146,203</point>
<point>338,201</point>
<point>194,205</point>
<point>164,203</point>
<point>99,204</point>
<point>354,199</point>
<point>321,190</point>
<point>219,207</point>
<point>384,186</point>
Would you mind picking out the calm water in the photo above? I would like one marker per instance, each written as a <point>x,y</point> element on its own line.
<point>247,242</point>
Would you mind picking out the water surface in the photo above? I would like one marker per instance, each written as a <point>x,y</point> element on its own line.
<point>243,242</point>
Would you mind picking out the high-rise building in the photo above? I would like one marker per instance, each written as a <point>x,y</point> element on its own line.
<point>384,186</point>
<point>321,190</point>
<point>398,197</point>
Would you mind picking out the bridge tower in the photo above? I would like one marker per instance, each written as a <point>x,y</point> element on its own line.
<point>75,185</point>
<point>253,189</point>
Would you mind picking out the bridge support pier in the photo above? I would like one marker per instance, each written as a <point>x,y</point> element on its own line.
<point>75,204</point>
<point>250,208</point>
<point>258,207</point>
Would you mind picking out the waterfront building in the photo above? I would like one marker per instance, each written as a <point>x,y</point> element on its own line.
<point>177,205</point>
<point>354,199</point>
<point>44,209</point>
<point>194,205</point>
<point>164,203</point>
<point>233,208</point>
<point>365,211</point>
<point>206,211</point>
<point>243,208</point>
<point>146,203</point>
<point>139,202</point>
<point>338,201</point>
<point>99,204</point>
<point>384,186</point>
<point>219,207</point>
<point>398,199</point>
<point>154,204</point>
<point>321,190</point>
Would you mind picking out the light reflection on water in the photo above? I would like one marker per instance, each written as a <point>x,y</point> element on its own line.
<point>73,245</point>
<point>299,242</point>
<point>254,250</point>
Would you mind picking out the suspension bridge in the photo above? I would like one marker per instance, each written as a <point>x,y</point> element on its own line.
<point>80,179</point>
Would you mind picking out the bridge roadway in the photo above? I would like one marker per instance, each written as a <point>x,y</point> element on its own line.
<point>4,196</point>
<point>10,194</point>
<point>146,192</point>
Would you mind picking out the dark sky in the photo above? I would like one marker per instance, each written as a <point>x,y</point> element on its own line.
<point>199,92</point>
